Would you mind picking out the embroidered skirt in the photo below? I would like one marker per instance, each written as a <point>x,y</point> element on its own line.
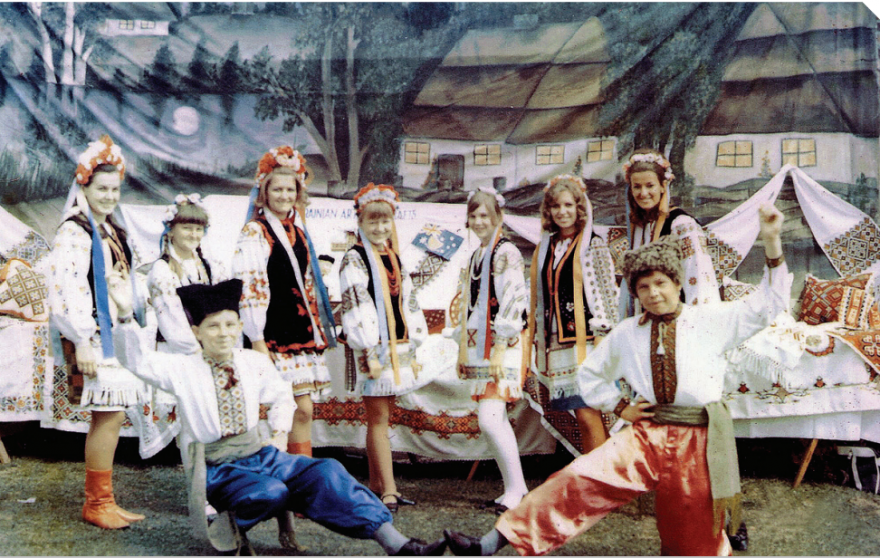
<point>560,377</point>
<point>113,388</point>
<point>476,372</point>
<point>417,368</point>
<point>306,371</point>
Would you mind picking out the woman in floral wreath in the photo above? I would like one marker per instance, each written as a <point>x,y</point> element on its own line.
<point>383,326</point>
<point>493,307</point>
<point>182,263</point>
<point>89,247</point>
<point>648,176</point>
<point>574,300</point>
<point>283,304</point>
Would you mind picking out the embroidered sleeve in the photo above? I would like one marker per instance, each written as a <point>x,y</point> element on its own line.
<point>360,322</point>
<point>601,288</point>
<point>700,283</point>
<point>598,373</point>
<point>219,272</point>
<point>249,264</point>
<point>510,288</point>
<point>70,296</point>
<point>162,284</point>
<point>415,318</point>
<point>276,394</point>
<point>154,368</point>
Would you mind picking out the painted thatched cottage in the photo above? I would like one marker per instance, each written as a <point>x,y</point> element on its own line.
<point>511,106</point>
<point>800,88</point>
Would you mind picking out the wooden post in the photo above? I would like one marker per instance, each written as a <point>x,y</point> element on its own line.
<point>4,457</point>
<point>473,472</point>
<point>805,463</point>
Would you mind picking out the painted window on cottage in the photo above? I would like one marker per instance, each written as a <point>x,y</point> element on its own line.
<point>148,24</point>
<point>417,153</point>
<point>602,150</point>
<point>487,154</point>
<point>799,152</point>
<point>126,24</point>
<point>734,154</point>
<point>550,154</point>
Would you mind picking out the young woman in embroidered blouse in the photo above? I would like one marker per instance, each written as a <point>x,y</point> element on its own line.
<point>383,326</point>
<point>89,245</point>
<point>280,300</point>
<point>574,300</point>
<point>648,176</point>
<point>493,306</point>
<point>181,263</point>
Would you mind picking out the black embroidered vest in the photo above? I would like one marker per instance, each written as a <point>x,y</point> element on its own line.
<point>288,325</point>
<point>399,320</point>
<point>563,305</point>
<point>475,284</point>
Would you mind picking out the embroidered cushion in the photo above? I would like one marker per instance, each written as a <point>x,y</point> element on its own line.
<point>854,308</point>
<point>821,299</point>
<point>23,292</point>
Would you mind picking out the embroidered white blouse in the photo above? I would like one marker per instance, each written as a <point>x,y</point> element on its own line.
<point>162,284</point>
<point>189,379</point>
<point>70,295</point>
<point>700,283</point>
<point>510,289</point>
<point>703,334</point>
<point>360,320</point>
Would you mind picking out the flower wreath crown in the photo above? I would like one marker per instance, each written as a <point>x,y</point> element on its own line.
<point>376,192</point>
<point>284,156</point>
<point>101,152</point>
<point>563,177</point>
<point>180,199</point>
<point>487,190</point>
<point>655,158</point>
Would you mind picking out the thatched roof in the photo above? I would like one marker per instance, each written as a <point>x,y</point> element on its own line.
<point>518,86</point>
<point>801,68</point>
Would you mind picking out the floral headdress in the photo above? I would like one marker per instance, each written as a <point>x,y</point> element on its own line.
<point>284,156</point>
<point>566,177</point>
<point>487,190</point>
<point>180,199</point>
<point>101,152</point>
<point>376,192</point>
<point>654,158</point>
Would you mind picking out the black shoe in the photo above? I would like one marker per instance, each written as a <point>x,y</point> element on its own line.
<point>418,547</point>
<point>488,505</point>
<point>740,541</point>
<point>461,544</point>
<point>500,509</point>
<point>405,501</point>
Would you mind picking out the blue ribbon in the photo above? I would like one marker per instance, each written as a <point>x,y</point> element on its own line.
<point>101,298</point>
<point>324,309</point>
<point>252,201</point>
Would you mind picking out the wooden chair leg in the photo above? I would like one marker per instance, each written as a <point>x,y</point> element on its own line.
<point>805,463</point>
<point>4,457</point>
<point>473,472</point>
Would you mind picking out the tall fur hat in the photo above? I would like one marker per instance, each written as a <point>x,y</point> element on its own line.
<point>664,256</point>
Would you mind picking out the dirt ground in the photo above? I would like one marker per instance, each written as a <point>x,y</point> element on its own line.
<point>819,518</point>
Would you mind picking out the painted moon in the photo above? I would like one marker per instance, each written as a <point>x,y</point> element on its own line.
<point>186,121</point>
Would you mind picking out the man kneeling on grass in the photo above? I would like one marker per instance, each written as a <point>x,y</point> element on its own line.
<point>681,441</point>
<point>219,392</point>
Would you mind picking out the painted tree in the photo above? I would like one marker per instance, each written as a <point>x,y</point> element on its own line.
<point>160,78</point>
<point>200,70</point>
<point>230,77</point>
<point>347,84</point>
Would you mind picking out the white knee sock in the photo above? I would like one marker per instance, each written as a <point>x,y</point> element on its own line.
<point>502,442</point>
<point>389,538</point>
